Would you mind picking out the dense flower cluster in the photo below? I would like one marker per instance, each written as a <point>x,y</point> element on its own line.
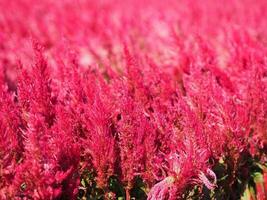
<point>130,99</point>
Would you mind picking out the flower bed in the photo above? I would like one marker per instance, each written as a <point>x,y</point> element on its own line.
<point>133,99</point>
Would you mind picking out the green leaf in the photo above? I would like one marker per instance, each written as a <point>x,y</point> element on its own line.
<point>83,183</point>
<point>246,195</point>
<point>224,177</point>
<point>258,177</point>
<point>252,192</point>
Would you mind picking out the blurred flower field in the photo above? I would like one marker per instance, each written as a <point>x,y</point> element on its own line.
<point>133,100</point>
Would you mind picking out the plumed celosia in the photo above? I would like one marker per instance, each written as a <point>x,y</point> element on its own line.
<point>133,99</point>
<point>100,138</point>
<point>44,171</point>
<point>11,144</point>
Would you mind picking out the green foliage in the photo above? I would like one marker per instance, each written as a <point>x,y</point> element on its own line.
<point>89,190</point>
